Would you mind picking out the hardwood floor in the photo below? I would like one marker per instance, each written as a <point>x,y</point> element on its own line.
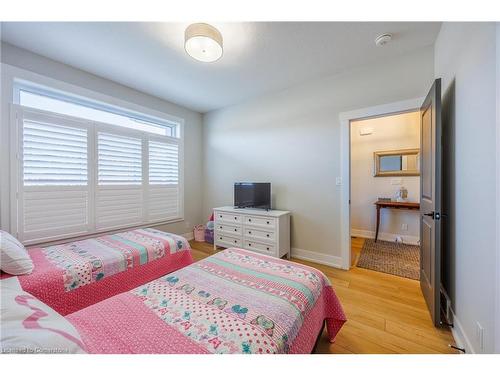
<point>386,313</point>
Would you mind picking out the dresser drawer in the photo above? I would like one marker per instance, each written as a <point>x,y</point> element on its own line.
<point>267,222</point>
<point>228,217</point>
<point>228,229</point>
<point>227,241</point>
<point>258,234</point>
<point>267,249</point>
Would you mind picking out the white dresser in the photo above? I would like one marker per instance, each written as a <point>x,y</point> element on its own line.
<point>265,232</point>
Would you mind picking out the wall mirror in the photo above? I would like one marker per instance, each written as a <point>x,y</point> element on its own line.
<point>397,162</point>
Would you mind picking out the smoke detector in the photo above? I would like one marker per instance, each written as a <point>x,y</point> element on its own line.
<point>383,39</point>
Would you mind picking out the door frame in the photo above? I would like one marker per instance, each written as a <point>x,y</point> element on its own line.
<point>346,118</point>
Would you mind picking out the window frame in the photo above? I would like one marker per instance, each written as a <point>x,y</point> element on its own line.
<point>93,127</point>
<point>23,85</point>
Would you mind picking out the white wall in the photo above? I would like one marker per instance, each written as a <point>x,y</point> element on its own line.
<point>465,59</point>
<point>401,131</point>
<point>291,138</point>
<point>18,61</point>
<point>497,322</point>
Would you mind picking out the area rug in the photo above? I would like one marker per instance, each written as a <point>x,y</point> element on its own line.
<point>391,257</point>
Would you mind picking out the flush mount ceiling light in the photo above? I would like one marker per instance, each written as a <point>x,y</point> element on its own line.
<point>203,42</point>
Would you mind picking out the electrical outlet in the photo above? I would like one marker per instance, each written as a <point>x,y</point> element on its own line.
<point>404,226</point>
<point>480,335</point>
<point>338,181</point>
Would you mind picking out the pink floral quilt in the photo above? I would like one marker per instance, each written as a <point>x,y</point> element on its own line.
<point>233,302</point>
<point>74,275</point>
<point>90,260</point>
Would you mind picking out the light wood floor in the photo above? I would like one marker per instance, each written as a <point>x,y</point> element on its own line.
<point>386,313</point>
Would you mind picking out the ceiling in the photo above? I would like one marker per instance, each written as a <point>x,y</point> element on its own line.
<point>258,57</point>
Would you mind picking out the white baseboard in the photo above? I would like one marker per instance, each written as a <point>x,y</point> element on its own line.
<point>391,237</point>
<point>188,236</point>
<point>461,339</point>
<point>312,256</point>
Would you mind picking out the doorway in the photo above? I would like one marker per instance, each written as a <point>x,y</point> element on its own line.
<point>429,109</point>
<point>384,193</point>
<point>346,118</point>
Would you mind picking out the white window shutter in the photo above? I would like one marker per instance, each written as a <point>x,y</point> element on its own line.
<point>53,154</point>
<point>53,193</point>
<point>119,159</point>
<point>119,191</point>
<point>163,194</point>
<point>73,177</point>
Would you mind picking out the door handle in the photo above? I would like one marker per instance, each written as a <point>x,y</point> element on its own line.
<point>434,215</point>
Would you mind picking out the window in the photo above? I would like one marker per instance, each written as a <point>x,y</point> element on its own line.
<point>51,101</point>
<point>76,176</point>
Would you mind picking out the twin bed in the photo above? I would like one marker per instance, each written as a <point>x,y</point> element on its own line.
<point>75,275</point>
<point>141,293</point>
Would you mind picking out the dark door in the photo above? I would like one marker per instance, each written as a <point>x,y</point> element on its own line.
<point>430,200</point>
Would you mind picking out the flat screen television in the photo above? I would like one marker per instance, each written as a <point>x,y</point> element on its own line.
<point>252,194</point>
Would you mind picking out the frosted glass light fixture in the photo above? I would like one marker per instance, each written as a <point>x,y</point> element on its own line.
<point>203,42</point>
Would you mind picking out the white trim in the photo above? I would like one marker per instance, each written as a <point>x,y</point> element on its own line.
<point>461,339</point>
<point>391,237</point>
<point>457,331</point>
<point>312,256</point>
<point>345,123</point>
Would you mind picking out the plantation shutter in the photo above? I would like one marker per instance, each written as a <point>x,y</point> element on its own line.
<point>120,190</point>
<point>73,177</point>
<point>163,194</point>
<point>53,191</point>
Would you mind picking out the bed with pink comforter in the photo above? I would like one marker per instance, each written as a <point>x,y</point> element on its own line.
<point>233,302</point>
<point>75,275</point>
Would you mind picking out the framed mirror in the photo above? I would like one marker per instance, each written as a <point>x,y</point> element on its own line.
<point>397,162</point>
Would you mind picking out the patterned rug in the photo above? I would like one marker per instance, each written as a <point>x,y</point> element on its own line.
<point>391,257</point>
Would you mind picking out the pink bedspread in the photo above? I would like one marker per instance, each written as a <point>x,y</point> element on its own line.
<point>78,274</point>
<point>232,302</point>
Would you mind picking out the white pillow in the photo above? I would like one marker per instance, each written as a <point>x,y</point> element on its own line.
<point>30,326</point>
<point>14,258</point>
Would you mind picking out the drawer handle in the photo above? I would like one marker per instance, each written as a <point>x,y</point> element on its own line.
<point>249,244</point>
<point>235,218</point>
<point>268,222</point>
<point>235,229</point>
<point>220,216</point>
<point>267,248</point>
<point>249,220</point>
<point>220,238</point>
<point>249,232</point>
<point>235,241</point>
<point>267,235</point>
